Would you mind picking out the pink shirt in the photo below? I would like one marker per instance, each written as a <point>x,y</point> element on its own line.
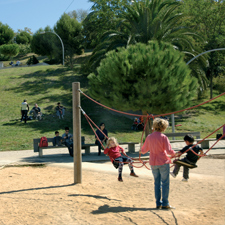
<point>159,146</point>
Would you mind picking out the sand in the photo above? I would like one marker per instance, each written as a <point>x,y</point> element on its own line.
<point>47,195</point>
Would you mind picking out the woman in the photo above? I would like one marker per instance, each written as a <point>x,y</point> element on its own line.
<point>101,137</point>
<point>159,146</point>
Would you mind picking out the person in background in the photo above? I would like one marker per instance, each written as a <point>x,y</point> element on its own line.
<point>60,110</point>
<point>57,140</point>
<point>68,140</point>
<point>101,136</point>
<point>24,111</point>
<point>36,110</point>
<point>159,147</point>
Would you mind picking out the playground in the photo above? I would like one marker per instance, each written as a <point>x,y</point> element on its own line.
<point>47,195</point>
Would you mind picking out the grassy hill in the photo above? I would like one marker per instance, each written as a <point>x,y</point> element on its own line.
<point>47,85</point>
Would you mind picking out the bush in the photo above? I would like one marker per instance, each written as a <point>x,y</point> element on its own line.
<point>32,60</point>
<point>24,49</point>
<point>219,83</point>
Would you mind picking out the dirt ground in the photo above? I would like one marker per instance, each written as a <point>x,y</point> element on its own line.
<point>46,195</point>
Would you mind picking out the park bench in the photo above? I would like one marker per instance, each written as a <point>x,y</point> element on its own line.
<point>86,147</point>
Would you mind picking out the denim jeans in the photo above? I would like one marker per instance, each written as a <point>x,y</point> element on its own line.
<point>162,181</point>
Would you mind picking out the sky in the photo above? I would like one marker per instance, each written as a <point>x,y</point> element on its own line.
<point>36,14</point>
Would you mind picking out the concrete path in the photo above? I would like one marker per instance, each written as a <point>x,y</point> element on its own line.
<point>62,158</point>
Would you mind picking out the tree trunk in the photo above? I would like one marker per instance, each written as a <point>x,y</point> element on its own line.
<point>148,127</point>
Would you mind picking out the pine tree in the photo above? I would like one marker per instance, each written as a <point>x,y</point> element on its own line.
<point>152,78</point>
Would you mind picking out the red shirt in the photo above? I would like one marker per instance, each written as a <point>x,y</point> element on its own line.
<point>159,146</point>
<point>114,152</point>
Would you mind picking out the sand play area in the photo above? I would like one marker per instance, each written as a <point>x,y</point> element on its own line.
<point>46,195</point>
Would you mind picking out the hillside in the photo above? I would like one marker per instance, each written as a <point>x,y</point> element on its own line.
<point>47,85</point>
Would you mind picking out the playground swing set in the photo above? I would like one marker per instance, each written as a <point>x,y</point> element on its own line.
<point>134,161</point>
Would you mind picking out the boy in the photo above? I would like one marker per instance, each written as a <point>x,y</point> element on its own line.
<point>190,158</point>
<point>68,140</point>
<point>57,140</point>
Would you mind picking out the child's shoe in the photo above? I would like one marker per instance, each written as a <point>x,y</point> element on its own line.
<point>120,179</point>
<point>172,174</point>
<point>185,180</point>
<point>133,175</point>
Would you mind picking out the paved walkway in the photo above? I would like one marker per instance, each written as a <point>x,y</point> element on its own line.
<point>61,157</point>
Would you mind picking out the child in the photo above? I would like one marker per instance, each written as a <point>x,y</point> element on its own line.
<point>159,146</point>
<point>57,140</point>
<point>113,150</point>
<point>190,158</point>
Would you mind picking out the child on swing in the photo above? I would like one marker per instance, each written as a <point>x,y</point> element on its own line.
<point>114,151</point>
<point>190,158</point>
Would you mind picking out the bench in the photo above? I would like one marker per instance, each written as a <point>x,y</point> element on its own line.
<point>204,144</point>
<point>86,147</point>
<point>195,134</point>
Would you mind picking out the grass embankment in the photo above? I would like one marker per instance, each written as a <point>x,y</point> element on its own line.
<point>46,85</point>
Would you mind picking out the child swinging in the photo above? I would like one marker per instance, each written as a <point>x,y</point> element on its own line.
<point>114,151</point>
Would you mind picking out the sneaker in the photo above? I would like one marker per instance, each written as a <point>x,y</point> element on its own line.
<point>172,174</point>
<point>168,207</point>
<point>120,179</point>
<point>133,175</point>
<point>185,180</point>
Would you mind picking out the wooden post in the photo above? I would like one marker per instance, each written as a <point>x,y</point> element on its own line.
<point>77,159</point>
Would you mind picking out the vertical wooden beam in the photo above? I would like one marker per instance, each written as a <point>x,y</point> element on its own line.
<point>77,159</point>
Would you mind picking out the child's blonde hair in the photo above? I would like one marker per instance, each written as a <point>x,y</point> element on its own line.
<point>160,124</point>
<point>112,139</point>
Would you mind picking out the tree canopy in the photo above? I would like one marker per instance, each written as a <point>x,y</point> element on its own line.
<point>70,31</point>
<point>152,78</point>
<point>9,50</point>
<point>6,34</point>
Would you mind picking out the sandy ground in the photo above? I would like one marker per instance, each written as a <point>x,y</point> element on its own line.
<point>46,195</point>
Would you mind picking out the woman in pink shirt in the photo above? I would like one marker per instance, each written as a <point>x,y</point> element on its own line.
<point>159,147</point>
<point>114,151</point>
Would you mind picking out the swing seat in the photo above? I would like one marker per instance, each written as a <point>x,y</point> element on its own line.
<point>181,163</point>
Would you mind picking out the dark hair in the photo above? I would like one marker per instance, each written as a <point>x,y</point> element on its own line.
<point>67,128</point>
<point>101,124</point>
<point>58,103</point>
<point>189,138</point>
<point>57,132</point>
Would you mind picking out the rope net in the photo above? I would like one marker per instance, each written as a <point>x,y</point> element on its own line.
<point>148,117</point>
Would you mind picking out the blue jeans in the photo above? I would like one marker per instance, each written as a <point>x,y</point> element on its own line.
<point>162,181</point>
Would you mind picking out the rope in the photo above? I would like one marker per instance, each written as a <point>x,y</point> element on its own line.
<point>130,114</point>
<point>89,121</point>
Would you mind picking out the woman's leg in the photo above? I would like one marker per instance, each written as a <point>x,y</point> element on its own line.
<point>165,177</point>
<point>157,182</point>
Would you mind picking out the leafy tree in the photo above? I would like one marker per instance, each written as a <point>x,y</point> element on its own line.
<point>70,32</point>
<point>9,50</point>
<point>6,34</point>
<point>43,43</point>
<point>103,17</point>
<point>79,15</point>
<point>152,78</point>
<point>23,37</point>
<point>208,17</point>
<point>146,20</point>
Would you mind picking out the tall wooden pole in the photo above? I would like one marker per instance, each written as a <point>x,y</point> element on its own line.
<point>77,159</point>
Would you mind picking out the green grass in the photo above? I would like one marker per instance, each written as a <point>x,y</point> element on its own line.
<point>46,85</point>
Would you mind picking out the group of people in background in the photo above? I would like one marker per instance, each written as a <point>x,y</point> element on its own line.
<point>36,111</point>
<point>66,139</point>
